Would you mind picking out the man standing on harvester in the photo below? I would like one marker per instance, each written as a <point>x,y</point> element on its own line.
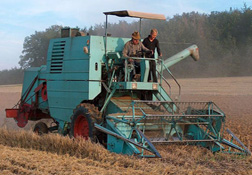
<point>151,43</point>
<point>134,48</point>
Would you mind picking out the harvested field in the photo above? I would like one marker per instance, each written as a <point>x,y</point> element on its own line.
<point>25,153</point>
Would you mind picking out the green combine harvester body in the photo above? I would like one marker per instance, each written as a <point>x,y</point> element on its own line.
<point>86,89</point>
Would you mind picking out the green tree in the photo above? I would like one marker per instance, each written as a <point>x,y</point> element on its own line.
<point>35,47</point>
<point>224,40</point>
<point>11,76</point>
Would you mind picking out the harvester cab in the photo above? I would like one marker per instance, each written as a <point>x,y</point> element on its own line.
<point>87,90</point>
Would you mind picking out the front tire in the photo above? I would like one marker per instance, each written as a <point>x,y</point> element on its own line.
<point>82,122</point>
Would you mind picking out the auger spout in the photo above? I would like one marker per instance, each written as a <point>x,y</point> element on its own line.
<point>192,51</point>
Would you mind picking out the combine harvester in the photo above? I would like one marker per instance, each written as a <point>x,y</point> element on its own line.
<point>85,88</point>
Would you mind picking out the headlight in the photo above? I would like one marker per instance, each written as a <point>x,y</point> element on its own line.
<point>155,86</point>
<point>134,85</point>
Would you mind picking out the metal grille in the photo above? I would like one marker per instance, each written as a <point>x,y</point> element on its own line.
<point>157,111</point>
<point>178,108</point>
<point>57,57</point>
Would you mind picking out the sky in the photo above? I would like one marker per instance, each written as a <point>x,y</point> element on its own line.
<point>21,18</point>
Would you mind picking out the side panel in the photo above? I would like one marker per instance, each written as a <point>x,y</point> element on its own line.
<point>73,75</point>
<point>67,76</point>
<point>97,57</point>
<point>29,75</point>
<point>64,96</point>
<point>66,58</point>
<point>29,85</point>
<point>95,66</point>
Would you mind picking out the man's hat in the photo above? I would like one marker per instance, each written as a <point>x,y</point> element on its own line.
<point>136,35</point>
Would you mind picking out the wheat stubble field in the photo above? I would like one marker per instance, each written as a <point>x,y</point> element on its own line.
<point>22,152</point>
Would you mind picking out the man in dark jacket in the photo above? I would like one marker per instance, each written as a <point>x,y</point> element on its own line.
<point>151,43</point>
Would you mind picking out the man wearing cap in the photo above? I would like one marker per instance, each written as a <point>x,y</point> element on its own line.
<point>152,43</point>
<point>132,49</point>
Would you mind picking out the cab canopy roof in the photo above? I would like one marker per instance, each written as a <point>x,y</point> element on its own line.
<point>128,13</point>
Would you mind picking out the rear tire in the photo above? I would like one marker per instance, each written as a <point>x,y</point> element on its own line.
<point>40,128</point>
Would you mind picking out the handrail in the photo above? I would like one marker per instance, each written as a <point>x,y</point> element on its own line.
<point>127,74</point>
<point>174,80</point>
<point>173,77</point>
<point>165,81</point>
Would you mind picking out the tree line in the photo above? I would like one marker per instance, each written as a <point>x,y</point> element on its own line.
<point>224,40</point>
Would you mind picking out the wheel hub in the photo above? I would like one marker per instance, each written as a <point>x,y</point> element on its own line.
<point>81,127</point>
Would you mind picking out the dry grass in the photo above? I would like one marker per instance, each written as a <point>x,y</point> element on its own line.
<point>22,152</point>
<point>26,153</point>
<point>64,148</point>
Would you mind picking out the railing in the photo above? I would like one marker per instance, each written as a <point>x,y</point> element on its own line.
<point>165,80</point>
<point>128,69</point>
<point>162,77</point>
<point>183,108</point>
<point>156,109</point>
<point>191,122</point>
